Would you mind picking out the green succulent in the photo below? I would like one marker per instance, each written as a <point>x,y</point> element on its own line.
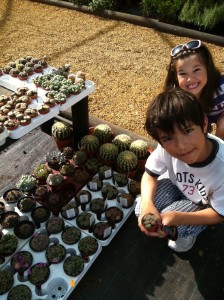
<point>41,171</point>
<point>103,132</point>
<point>90,143</point>
<point>140,148</point>
<point>61,131</point>
<point>26,183</point>
<point>108,152</point>
<point>127,161</point>
<point>122,141</point>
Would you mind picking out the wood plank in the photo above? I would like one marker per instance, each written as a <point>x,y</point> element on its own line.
<point>22,156</point>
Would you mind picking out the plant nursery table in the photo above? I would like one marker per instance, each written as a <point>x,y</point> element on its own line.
<point>78,104</point>
<point>21,157</point>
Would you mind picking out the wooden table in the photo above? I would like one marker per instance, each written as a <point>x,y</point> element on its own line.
<point>77,103</point>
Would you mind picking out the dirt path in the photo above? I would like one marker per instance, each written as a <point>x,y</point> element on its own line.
<point>126,62</point>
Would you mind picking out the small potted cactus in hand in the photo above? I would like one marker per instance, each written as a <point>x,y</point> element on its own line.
<point>127,162</point>
<point>90,143</point>
<point>62,133</point>
<point>108,153</point>
<point>122,141</point>
<point>103,132</point>
<point>141,149</point>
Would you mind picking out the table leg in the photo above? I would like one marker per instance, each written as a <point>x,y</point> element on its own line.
<point>80,120</point>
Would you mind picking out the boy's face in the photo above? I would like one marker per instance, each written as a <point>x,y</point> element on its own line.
<point>191,75</point>
<point>189,145</point>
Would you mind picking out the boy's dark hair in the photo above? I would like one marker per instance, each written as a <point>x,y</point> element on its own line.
<point>213,74</point>
<point>172,108</point>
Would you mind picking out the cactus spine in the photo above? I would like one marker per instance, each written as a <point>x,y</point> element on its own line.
<point>103,132</point>
<point>127,161</point>
<point>90,143</point>
<point>61,131</point>
<point>122,141</point>
<point>108,152</point>
<point>140,148</point>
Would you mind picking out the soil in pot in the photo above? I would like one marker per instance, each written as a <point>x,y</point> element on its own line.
<point>71,235</point>
<point>20,292</point>
<point>40,214</point>
<point>24,229</point>
<point>12,195</point>
<point>102,231</point>
<point>9,219</point>
<point>39,274</point>
<point>114,215</point>
<point>39,242</point>
<point>55,253</point>
<point>21,261</point>
<point>73,265</point>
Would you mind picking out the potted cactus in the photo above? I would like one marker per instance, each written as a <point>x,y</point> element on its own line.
<point>41,173</point>
<point>62,134</point>
<point>6,281</point>
<point>90,143</point>
<point>39,241</point>
<point>105,172</point>
<point>55,253</point>
<point>92,165</point>
<point>26,204</point>
<point>20,292</point>
<point>127,163</point>
<point>55,225</point>
<point>80,157</point>
<point>103,132</point>
<point>108,153</point>
<point>73,265</point>
<point>87,246</point>
<point>71,235</point>
<point>21,261</point>
<point>38,274</point>
<point>12,195</point>
<point>8,244</point>
<point>122,141</point>
<point>55,159</point>
<point>141,149</point>
<point>26,183</point>
<point>24,229</point>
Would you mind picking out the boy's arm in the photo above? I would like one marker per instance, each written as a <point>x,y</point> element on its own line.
<point>206,216</point>
<point>148,190</point>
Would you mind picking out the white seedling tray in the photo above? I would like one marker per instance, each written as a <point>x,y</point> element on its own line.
<point>23,216</point>
<point>110,203</point>
<point>59,285</point>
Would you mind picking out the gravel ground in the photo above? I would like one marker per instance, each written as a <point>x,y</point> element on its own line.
<point>126,62</point>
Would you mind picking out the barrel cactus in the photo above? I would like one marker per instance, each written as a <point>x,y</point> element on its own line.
<point>108,152</point>
<point>122,141</point>
<point>80,157</point>
<point>126,161</point>
<point>89,143</point>
<point>140,148</point>
<point>103,132</point>
<point>61,131</point>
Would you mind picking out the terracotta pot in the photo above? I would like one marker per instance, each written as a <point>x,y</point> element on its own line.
<point>63,143</point>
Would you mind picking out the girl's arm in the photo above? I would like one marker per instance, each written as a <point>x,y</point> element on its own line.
<point>206,216</point>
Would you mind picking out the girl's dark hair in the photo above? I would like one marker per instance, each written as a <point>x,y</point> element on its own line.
<point>213,74</point>
<point>173,108</point>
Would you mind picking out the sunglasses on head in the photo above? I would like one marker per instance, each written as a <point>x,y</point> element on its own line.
<point>188,46</point>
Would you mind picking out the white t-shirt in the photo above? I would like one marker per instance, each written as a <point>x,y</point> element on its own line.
<point>199,182</point>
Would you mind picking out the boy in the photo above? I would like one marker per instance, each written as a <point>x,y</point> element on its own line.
<point>192,195</point>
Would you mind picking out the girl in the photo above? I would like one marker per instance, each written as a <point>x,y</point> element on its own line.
<point>192,69</point>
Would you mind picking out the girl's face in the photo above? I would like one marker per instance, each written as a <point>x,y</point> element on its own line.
<point>191,74</point>
<point>189,144</point>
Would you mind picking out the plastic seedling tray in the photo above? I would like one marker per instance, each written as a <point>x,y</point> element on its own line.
<point>109,203</point>
<point>59,285</point>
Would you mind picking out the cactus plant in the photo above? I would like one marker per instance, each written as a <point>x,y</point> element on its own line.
<point>122,141</point>
<point>61,131</point>
<point>89,143</point>
<point>80,157</point>
<point>26,183</point>
<point>126,161</point>
<point>8,244</point>
<point>103,132</point>
<point>140,148</point>
<point>87,246</point>
<point>150,222</point>
<point>55,159</point>
<point>41,172</point>
<point>73,265</point>
<point>108,152</point>
<point>6,281</point>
